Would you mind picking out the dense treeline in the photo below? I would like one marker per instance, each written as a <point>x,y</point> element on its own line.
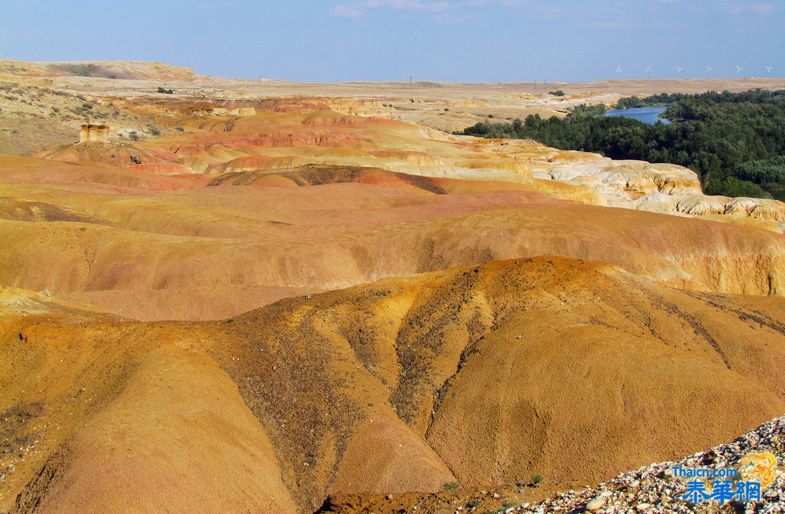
<point>734,141</point>
<point>632,102</point>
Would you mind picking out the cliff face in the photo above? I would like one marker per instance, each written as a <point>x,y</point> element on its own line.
<point>94,133</point>
<point>662,188</point>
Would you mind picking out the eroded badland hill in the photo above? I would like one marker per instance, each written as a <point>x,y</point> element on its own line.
<point>253,296</point>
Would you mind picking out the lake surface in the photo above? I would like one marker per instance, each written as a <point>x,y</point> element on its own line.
<point>648,115</point>
<point>778,192</point>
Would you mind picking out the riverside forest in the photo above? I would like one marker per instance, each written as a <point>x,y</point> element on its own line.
<point>734,141</point>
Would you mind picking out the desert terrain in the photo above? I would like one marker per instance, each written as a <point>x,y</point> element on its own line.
<point>265,296</point>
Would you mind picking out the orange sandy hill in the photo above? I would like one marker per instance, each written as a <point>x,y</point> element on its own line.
<point>480,375</point>
<point>467,357</point>
<point>191,247</point>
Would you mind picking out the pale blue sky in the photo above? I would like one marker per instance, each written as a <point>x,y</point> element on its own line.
<point>446,40</point>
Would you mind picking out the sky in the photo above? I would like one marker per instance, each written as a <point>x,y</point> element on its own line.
<point>439,40</point>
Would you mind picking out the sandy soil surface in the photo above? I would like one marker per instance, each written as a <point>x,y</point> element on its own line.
<point>275,297</point>
<point>482,376</point>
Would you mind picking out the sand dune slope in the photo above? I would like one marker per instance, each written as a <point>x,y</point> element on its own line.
<point>166,247</point>
<point>481,375</point>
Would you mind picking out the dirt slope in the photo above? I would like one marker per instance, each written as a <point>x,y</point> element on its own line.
<point>481,375</point>
<point>194,247</point>
<point>197,433</point>
<point>466,358</point>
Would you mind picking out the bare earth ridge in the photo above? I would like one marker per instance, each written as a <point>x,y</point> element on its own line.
<point>275,297</point>
<point>429,368</point>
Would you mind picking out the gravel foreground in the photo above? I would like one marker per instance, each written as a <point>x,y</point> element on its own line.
<point>654,489</point>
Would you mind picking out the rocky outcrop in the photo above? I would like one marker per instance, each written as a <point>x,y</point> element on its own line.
<point>92,133</point>
<point>655,488</point>
<point>236,111</point>
<point>664,188</point>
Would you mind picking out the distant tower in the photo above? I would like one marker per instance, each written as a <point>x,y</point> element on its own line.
<point>648,72</point>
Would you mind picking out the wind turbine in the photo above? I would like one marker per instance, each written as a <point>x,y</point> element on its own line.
<point>648,72</point>
<point>708,70</point>
<point>618,72</point>
<point>679,69</point>
<point>769,69</point>
<point>739,69</point>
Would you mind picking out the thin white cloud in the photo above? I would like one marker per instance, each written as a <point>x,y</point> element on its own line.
<point>751,8</point>
<point>362,8</point>
<point>409,5</point>
<point>493,2</point>
<point>346,11</point>
<point>458,11</point>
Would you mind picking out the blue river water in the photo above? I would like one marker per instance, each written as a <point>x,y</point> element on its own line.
<point>648,115</point>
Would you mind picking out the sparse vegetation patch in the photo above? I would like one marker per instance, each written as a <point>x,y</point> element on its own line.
<point>450,486</point>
